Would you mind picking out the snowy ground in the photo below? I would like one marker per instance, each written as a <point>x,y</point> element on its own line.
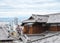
<point>53,39</point>
<point>46,37</point>
<point>39,36</point>
<point>3,35</point>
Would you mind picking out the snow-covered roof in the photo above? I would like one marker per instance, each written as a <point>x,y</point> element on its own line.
<point>29,21</point>
<point>54,18</point>
<point>42,18</point>
<point>4,35</point>
<point>37,18</point>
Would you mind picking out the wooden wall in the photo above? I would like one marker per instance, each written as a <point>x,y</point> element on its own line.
<point>54,27</point>
<point>30,30</point>
<point>58,28</point>
<point>25,30</point>
<point>38,28</point>
<point>34,29</point>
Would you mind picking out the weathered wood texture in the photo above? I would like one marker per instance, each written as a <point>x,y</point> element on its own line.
<point>53,28</point>
<point>25,29</point>
<point>58,27</point>
<point>34,29</point>
<point>37,29</point>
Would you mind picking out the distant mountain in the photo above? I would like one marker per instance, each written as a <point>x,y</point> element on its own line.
<point>20,19</point>
<point>5,19</point>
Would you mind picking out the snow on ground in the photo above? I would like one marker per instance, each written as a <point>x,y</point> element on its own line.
<point>39,36</point>
<point>53,39</point>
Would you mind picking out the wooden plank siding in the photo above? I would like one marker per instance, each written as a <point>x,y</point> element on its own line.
<point>54,27</point>
<point>37,29</point>
<point>25,30</point>
<point>30,30</point>
<point>58,28</point>
<point>34,29</point>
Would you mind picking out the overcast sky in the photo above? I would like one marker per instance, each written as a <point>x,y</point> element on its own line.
<point>15,8</point>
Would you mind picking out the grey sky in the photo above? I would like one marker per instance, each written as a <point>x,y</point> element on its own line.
<point>12,8</point>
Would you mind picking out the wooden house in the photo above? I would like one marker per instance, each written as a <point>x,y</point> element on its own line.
<point>54,22</point>
<point>35,24</point>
